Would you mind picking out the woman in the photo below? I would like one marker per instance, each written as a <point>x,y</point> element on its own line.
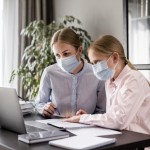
<point>69,85</point>
<point>127,91</point>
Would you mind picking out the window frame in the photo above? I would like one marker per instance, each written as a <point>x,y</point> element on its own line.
<point>126,35</point>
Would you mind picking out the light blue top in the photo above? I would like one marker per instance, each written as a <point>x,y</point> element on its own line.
<point>71,92</point>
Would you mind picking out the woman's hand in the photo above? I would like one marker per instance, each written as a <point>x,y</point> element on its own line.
<point>81,112</point>
<point>49,109</point>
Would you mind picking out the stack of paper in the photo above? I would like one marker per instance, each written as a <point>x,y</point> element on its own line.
<point>26,107</point>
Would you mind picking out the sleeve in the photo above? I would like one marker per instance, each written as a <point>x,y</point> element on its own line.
<point>128,101</point>
<point>44,92</point>
<point>101,98</point>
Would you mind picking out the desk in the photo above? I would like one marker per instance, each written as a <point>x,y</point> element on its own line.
<point>126,141</point>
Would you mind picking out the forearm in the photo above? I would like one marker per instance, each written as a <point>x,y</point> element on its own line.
<point>102,120</point>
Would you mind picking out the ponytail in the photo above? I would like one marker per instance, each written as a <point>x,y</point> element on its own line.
<point>132,67</point>
<point>130,64</point>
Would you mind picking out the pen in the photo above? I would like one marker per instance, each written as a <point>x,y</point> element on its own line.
<point>57,111</point>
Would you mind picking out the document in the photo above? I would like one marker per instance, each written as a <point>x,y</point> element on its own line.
<point>82,142</point>
<point>94,131</point>
<point>68,125</point>
<point>65,125</point>
<point>80,129</point>
<point>46,121</point>
<point>36,137</point>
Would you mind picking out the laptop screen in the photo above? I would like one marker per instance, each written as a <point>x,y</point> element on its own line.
<point>11,116</point>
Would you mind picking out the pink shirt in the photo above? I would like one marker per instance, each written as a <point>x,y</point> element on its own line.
<point>128,104</point>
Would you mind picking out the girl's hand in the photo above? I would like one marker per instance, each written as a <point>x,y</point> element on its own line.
<point>73,119</point>
<point>81,112</point>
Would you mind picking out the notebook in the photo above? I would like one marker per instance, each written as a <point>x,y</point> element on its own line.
<point>82,142</point>
<point>42,136</point>
<point>11,116</point>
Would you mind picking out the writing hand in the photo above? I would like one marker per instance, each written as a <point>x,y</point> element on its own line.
<point>49,109</point>
<point>80,112</point>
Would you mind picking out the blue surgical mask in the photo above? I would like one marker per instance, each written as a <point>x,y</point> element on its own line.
<point>68,64</point>
<point>102,71</point>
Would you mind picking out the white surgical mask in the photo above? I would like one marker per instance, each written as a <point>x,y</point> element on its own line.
<point>68,64</point>
<point>102,71</point>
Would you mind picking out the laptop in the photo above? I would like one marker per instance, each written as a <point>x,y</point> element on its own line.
<point>11,116</point>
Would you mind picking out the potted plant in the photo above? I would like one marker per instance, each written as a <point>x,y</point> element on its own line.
<point>38,55</point>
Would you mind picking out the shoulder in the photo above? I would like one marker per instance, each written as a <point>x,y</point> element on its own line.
<point>138,77</point>
<point>88,72</point>
<point>88,67</point>
<point>52,68</point>
<point>132,78</point>
<point>135,75</point>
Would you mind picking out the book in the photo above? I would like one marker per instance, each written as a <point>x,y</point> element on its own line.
<point>42,136</point>
<point>67,125</point>
<point>82,142</point>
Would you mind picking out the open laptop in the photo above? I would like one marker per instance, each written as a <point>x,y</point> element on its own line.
<point>11,116</point>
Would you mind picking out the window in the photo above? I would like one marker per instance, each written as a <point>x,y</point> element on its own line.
<point>8,40</point>
<point>1,10</point>
<point>138,18</point>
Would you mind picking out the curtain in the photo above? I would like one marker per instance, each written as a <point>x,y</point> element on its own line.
<point>30,10</point>
<point>8,41</point>
<point>14,16</point>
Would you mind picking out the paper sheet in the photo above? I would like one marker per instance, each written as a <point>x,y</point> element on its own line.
<point>66,125</point>
<point>82,142</point>
<point>46,121</point>
<point>94,131</point>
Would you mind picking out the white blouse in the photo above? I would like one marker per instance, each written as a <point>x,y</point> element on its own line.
<point>71,92</point>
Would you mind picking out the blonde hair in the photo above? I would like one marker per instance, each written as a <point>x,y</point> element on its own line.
<point>107,45</point>
<point>66,35</point>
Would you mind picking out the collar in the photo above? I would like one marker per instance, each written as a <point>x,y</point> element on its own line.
<point>116,82</point>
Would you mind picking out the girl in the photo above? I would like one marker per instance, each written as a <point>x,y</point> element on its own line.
<point>127,91</point>
<point>69,85</point>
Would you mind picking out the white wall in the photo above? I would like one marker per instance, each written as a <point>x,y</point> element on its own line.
<point>98,17</point>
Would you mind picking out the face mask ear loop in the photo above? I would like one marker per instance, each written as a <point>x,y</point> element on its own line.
<point>79,56</point>
<point>108,59</point>
<point>116,63</point>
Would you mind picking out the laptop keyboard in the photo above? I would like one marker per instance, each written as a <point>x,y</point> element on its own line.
<point>33,129</point>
